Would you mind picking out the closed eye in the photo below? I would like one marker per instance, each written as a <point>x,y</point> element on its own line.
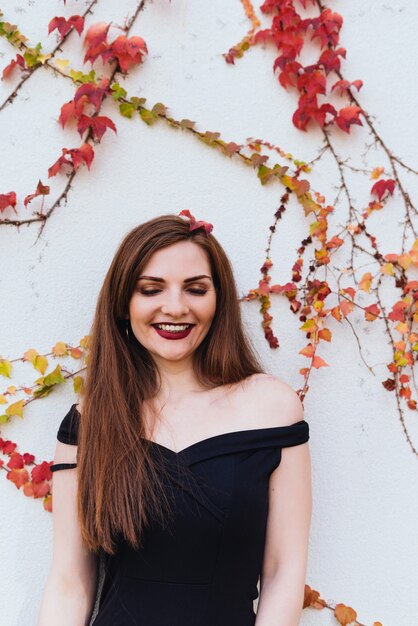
<point>150,292</point>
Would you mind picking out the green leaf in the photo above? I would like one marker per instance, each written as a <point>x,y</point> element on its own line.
<point>147,116</point>
<point>137,102</point>
<point>126,109</point>
<point>118,91</point>
<point>264,173</point>
<point>55,377</point>
<point>83,78</point>
<point>47,382</point>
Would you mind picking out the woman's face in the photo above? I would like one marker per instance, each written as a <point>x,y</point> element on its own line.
<point>165,294</point>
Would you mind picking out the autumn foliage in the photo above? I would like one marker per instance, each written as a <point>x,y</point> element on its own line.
<point>325,100</point>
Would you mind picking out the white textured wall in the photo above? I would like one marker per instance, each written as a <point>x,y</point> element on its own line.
<point>364,545</point>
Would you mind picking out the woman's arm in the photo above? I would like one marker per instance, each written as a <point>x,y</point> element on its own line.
<point>282,581</point>
<point>70,591</point>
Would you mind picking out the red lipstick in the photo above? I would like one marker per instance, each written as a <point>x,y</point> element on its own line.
<point>173,335</point>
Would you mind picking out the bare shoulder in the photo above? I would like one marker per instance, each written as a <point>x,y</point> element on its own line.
<point>79,406</point>
<point>275,402</point>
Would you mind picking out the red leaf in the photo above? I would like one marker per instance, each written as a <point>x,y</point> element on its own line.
<point>289,73</point>
<point>197,223</point>
<point>73,108</point>
<point>76,157</point>
<point>64,26</point>
<point>36,490</point>
<point>41,190</point>
<point>383,186</point>
<point>311,83</point>
<point>320,114</point>
<point>345,85</point>
<point>128,52</point>
<point>308,109</point>
<point>347,116</point>
<point>15,461</point>
<point>263,35</point>
<point>98,125</point>
<point>327,27</point>
<point>97,44</point>
<point>41,472</point>
<point>371,312</point>
<point>8,199</point>
<point>19,60</point>
<point>330,61</point>
<point>94,93</point>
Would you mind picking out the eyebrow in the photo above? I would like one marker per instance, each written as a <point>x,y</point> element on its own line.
<point>186,280</point>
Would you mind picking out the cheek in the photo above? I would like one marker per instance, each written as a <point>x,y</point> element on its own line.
<point>208,310</point>
<point>138,309</point>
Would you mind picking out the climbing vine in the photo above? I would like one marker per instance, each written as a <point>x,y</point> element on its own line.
<point>324,99</point>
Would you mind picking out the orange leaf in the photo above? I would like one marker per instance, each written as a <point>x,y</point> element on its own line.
<point>366,282</point>
<point>325,334</point>
<point>345,614</point>
<point>18,476</point>
<point>371,312</point>
<point>346,307</point>
<point>336,312</point>
<point>318,362</point>
<point>76,353</point>
<point>308,351</point>
<point>376,173</point>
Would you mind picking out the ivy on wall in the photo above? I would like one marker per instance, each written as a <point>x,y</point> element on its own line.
<point>326,100</point>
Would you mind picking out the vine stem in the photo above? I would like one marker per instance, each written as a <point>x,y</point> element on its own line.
<point>31,72</point>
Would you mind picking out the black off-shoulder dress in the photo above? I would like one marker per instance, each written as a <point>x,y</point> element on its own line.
<point>203,569</point>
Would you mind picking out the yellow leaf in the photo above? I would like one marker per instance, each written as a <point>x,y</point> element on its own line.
<point>11,389</point>
<point>78,384</point>
<point>85,341</point>
<point>60,349</point>
<point>44,57</point>
<point>16,408</point>
<point>404,260</point>
<point>387,268</point>
<point>40,363</point>
<point>5,368</point>
<point>308,325</point>
<point>3,399</point>
<point>61,64</point>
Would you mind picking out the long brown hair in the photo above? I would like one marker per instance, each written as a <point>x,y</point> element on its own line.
<point>120,483</point>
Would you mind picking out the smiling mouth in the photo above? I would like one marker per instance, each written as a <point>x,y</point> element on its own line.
<point>173,331</point>
<point>158,325</point>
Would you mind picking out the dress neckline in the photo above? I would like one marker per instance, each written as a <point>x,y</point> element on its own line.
<point>202,442</point>
<point>220,436</point>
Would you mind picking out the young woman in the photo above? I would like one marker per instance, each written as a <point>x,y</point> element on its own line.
<point>187,468</point>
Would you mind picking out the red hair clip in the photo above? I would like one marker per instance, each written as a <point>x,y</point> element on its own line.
<point>197,223</point>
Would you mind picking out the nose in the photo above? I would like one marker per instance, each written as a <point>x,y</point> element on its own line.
<point>174,304</point>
